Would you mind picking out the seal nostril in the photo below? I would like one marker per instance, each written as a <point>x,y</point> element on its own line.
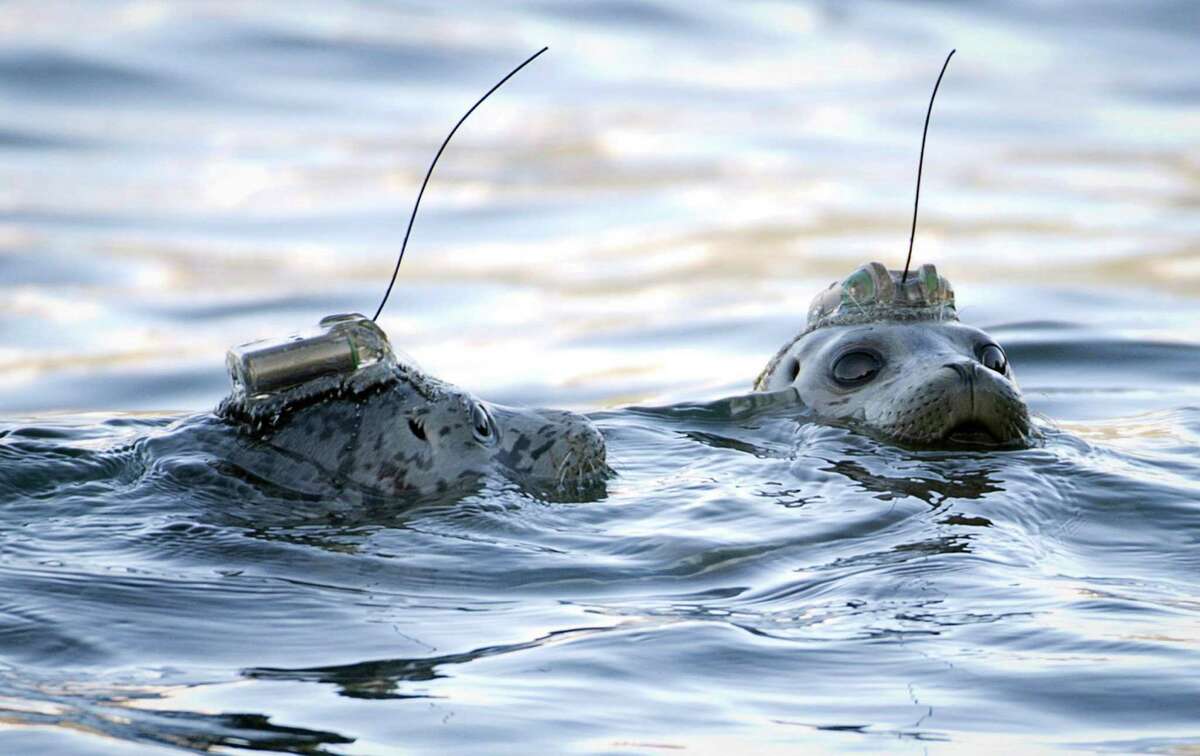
<point>963,370</point>
<point>417,428</point>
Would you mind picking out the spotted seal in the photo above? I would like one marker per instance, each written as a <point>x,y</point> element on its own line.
<point>382,426</point>
<point>341,406</point>
<point>886,353</point>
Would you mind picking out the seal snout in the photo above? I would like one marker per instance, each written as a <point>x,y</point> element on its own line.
<point>552,449</point>
<point>972,428</point>
<point>981,407</point>
<point>580,458</point>
<point>958,401</point>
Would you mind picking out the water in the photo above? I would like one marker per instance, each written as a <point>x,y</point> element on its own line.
<point>638,219</point>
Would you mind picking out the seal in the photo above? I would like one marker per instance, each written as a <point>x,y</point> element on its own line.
<point>356,415</point>
<point>885,352</point>
<point>340,406</point>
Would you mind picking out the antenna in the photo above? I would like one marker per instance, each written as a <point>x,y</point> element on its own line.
<point>428,173</point>
<point>920,165</point>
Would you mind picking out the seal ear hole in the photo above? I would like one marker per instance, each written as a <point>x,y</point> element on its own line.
<point>417,429</point>
<point>793,369</point>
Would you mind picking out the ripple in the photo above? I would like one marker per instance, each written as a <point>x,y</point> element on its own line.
<point>639,219</point>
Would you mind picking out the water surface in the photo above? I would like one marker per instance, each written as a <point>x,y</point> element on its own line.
<point>638,220</point>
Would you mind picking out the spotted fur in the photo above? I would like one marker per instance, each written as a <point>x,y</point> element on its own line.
<point>416,434</point>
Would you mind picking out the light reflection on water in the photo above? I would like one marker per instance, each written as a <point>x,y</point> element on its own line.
<point>639,218</point>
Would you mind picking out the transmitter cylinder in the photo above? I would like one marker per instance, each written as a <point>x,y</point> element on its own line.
<point>340,345</point>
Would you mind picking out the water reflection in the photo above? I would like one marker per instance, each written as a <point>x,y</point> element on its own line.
<point>240,171</point>
<point>966,484</point>
<point>141,714</point>
<point>384,678</point>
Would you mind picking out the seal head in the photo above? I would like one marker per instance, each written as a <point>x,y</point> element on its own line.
<point>339,406</point>
<point>890,356</point>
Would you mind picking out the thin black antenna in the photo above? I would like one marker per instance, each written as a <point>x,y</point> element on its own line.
<point>428,173</point>
<point>920,165</point>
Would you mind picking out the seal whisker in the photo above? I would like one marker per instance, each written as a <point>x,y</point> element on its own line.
<point>900,366</point>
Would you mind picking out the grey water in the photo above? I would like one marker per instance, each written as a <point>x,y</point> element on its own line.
<point>630,228</point>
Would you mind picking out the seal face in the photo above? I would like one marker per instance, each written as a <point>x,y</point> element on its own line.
<point>889,356</point>
<point>383,426</point>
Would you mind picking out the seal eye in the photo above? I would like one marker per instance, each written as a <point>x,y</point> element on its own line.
<point>484,428</point>
<point>993,358</point>
<point>856,368</point>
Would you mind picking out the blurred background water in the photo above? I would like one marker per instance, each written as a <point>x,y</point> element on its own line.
<point>639,217</point>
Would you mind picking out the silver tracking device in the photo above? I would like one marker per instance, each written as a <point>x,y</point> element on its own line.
<point>340,346</point>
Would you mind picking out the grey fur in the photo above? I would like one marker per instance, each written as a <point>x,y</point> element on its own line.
<point>930,388</point>
<point>413,433</point>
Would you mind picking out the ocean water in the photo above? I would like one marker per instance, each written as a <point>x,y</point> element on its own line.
<point>630,227</point>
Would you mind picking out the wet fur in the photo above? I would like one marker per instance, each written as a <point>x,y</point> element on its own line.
<point>417,436</point>
<point>930,385</point>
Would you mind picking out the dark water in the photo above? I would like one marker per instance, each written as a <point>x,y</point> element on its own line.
<point>638,219</point>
